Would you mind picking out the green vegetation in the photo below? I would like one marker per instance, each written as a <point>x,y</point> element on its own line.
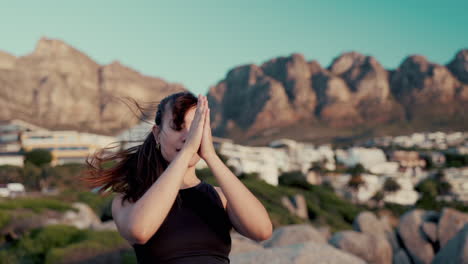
<point>100,203</point>
<point>60,244</point>
<point>294,179</point>
<point>391,185</point>
<point>38,157</point>
<point>456,160</point>
<point>37,205</point>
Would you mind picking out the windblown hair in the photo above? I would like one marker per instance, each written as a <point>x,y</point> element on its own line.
<point>132,171</point>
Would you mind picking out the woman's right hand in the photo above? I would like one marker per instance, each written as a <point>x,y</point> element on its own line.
<point>194,136</point>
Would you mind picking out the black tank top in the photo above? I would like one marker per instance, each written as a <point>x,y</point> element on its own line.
<point>196,230</point>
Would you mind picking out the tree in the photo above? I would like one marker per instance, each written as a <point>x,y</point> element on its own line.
<point>355,181</point>
<point>358,169</point>
<point>391,185</point>
<point>38,157</point>
<point>294,179</point>
<point>428,188</point>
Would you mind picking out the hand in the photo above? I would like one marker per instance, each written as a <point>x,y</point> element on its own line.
<point>193,140</point>
<point>206,148</point>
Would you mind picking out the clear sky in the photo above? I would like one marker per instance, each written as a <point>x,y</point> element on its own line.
<point>195,42</point>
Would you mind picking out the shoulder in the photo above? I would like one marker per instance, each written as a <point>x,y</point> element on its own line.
<point>117,204</point>
<point>221,195</point>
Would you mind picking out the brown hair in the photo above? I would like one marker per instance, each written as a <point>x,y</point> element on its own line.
<point>132,171</point>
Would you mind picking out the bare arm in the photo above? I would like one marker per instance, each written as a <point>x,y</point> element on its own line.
<point>248,216</point>
<point>138,222</point>
<point>246,213</point>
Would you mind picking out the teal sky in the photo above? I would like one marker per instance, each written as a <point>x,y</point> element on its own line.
<point>196,42</point>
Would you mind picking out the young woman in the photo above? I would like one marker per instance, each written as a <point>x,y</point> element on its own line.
<point>162,208</point>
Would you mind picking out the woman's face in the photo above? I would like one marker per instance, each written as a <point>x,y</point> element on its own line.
<point>172,140</point>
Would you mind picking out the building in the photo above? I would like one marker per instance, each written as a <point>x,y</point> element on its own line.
<point>408,159</point>
<point>66,146</point>
<point>367,157</point>
<point>13,189</point>
<point>10,140</point>
<point>269,162</point>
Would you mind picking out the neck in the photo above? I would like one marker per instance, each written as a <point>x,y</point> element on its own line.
<point>190,178</point>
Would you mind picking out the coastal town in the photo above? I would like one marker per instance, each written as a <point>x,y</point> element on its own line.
<point>385,169</point>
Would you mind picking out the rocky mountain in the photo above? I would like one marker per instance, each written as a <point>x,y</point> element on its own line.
<point>293,97</point>
<point>59,87</point>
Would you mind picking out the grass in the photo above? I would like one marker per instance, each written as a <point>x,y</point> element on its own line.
<point>35,204</point>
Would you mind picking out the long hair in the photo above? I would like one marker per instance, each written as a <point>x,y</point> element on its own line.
<point>132,171</point>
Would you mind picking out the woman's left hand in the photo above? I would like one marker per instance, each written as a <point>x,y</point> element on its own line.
<point>207,150</point>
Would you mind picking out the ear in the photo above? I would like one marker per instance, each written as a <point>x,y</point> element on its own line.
<point>155,130</point>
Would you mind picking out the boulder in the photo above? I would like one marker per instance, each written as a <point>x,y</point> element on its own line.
<point>241,243</point>
<point>82,219</point>
<point>294,234</point>
<point>297,206</point>
<point>401,257</point>
<point>305,253</point>
<point>450,223</point>
<point>367,222</point>
<point>409,230</point>
<point>455,250</point>
<point>371,248</point>
<point>430,230</point>
<point>107,225</point>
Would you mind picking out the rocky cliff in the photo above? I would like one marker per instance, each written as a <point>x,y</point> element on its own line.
<point>355,91</point>
<point>59,87</point>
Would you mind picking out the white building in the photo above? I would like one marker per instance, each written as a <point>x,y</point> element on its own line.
<point>66,146</point>
<point>367,157</point>
<point>406,195</point>
<point>458,179</point>
<point>269,162</point>
<point>11,189</point>
<point>135,135</point>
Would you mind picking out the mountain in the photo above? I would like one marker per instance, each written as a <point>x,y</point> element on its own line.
<point>355,96</point>
<point>59,87</point>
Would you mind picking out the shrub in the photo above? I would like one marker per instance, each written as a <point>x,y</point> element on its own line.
<point>294,179</point>
<point>390,185</point>
<point>35,204</point>
<point>38,157</point>
<point>63,244</point>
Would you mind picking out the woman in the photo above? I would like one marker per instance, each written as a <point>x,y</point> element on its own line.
<point>165,212</point>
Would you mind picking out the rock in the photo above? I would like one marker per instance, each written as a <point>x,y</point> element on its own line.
<point>451,221</point>
<point>84,218</point>
<point>367,222</point>
<point>371,248</point>
<point>459,65</point>
<point>393,240</point>
<point>306,253</point>
<point>294,234</point>
<point>297,207</point>
<point>425,89</point>
<point>325,231</point>
<point>57,82</point>
<point>409,230</point>
<point>107,225</point>
<point>455,250</point>
<point>430,230</point>
<point>294,74</point>
<point>401,257</point>
<point>241,244</point>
